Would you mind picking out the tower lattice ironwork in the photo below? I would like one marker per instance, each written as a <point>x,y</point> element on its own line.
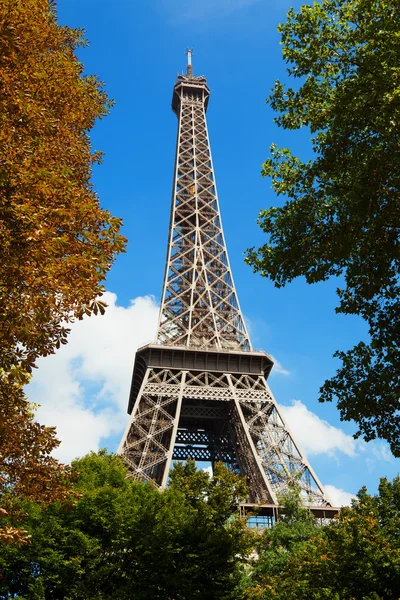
<point>200,390</point>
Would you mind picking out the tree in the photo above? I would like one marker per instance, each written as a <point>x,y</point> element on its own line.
<point>56,242</point>
<point>356,557</point>
<point>341,215</point>
<point>278,545</point>
<point>27,469</point>
<point>212,540</point>
<point>123,539</point>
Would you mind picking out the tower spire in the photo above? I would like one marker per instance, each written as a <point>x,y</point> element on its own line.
<point>189,70</point>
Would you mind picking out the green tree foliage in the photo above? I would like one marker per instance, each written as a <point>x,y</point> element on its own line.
<point>123,540</point>
<point>357,557</point>
<point>294,526</point>
<point>27,468</point>
<point>341,215</point>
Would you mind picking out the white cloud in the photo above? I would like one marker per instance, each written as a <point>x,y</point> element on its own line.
<point>338,496</point>
<point>316,436</point>
<point>83,389</point>
<point>189,10</point>
<point>278,367</point>
<point>381,451</point>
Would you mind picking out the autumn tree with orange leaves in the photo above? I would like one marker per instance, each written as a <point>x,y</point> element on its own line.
<point>56,242</point>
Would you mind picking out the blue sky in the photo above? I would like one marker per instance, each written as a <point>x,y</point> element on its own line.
<point>137,48</point>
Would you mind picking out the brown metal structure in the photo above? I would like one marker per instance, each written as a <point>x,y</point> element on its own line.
<point>200,390</point>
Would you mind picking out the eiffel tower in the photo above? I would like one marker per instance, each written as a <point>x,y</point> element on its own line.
<point>200,390</point>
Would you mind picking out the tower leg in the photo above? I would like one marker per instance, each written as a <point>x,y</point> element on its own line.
<point>210,416</point>
<point>174,432</point>
<point>148,441</point>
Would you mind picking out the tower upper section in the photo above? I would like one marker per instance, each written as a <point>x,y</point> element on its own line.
<point>199,307</point>
<point>188,87</point>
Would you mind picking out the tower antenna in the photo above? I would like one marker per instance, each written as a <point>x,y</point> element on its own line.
<point>189,71</point>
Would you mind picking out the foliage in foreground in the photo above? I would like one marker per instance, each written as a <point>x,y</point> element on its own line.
<point>27,468</point>
<point>356,557</point>
<point>56,242</point>
<point>342,213</point>
<point>124,540</point>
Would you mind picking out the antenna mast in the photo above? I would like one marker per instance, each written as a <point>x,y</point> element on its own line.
<point>189,71</point>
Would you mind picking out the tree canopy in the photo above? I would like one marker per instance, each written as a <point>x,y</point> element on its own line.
<point>123,539</point>
<point>27,469</point>
<point>56,242</point>
<point>341,213</point>
<point>355,557</point>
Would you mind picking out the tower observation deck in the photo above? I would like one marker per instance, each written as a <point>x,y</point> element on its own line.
<point>200,390</point>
